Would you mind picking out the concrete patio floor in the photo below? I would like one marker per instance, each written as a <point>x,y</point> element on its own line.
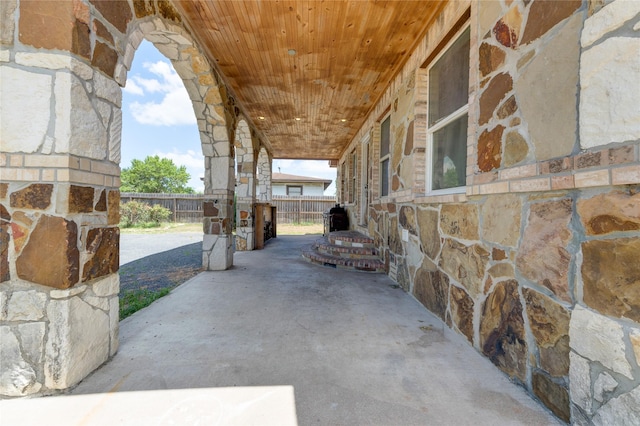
<point>311,344</point>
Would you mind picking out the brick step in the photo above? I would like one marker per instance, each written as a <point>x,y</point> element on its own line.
<point>364,265</point>
<point>323,246</point>
<point>350,239</point>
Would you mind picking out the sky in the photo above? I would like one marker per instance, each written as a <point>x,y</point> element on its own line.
<point>158,119</point>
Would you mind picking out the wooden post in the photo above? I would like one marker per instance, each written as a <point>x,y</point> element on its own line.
<point>259,223</point>
<point>175,209</point>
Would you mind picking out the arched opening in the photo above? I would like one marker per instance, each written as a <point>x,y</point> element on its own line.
<point>160,146</point>
<point>208,104</point>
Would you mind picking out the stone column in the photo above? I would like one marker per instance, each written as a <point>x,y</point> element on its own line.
<point>264,176</point>
<point>217,245</point>
<point>604,375</point>
<point>59,201</point>
<point>245,188</point>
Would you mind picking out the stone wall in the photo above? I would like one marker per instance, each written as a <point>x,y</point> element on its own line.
<point>59,196</point>
<point>537,264</point>
<point>605,323</point>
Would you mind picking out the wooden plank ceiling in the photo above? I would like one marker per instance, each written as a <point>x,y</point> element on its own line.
<point>308,72</point>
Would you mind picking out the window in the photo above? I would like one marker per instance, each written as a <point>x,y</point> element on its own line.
<point>385,136</point>
<point>352,191</point>
<point>294,190</point>
<point>447,118</point>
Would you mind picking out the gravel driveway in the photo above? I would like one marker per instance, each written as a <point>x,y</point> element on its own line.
<point>137,246</point>
<point>155,261</point>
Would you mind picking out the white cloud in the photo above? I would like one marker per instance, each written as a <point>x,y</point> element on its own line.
<point>193,161</point>
<point>133,88</point>
<point>173,109</point>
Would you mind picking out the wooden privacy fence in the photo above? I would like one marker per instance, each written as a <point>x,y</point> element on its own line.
<point>304,209</point>
<point>187,208</point>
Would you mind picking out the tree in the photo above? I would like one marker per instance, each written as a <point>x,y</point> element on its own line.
<point>155,175</point>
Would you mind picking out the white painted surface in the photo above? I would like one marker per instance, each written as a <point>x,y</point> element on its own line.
<point>267,405</point>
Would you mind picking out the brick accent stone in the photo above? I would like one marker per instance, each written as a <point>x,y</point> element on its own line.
<point>118,13</point>
<point>166,9</point>
<point>209,209</point>
<point>51,256</point>
<point>490,149</point>
<point>549,322</point>
<point>507,29</point>
<point>553,395</point>
<point>113,207</point>
<point>466,264</point>
<point>103,247</point>
<point>80,199</point>
<point>144,8</point>
<point>407,218</point>
<point>515,149</point>
<point>544,15</point>
<point>7,25</point>
<point>102,31</point>
<point>104,58</point>
<point>610,212</point>
<point>491,58</point>
<point>496,90</point>
<point>502,335</point>
<point>460,220</point>
<point>101,205</point>
<point>508,108</point>
<point>19,235</point>
<point>431,288</point>
<point>36,196</point>
<point>5,274</point>
<point>462,311</point>
<point>611,276</point>
<point>429,235</point>
<point>56,34</point>
<point>4,213</point>
<point>543,256</point>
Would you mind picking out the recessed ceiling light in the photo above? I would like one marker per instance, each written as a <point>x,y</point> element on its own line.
<point>298,118</point>
<point>343,120</point>
<point>292,52</point>
<point>261,118</point>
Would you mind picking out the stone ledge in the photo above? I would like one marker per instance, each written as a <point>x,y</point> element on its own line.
<point>63,175</point>
<point>569,178</point>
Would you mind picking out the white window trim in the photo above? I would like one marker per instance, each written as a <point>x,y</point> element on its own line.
<point>440,124</point>
<point>294,186</point>
<point>353,167</point>
<point>364,180</point>
<point>382,159</point>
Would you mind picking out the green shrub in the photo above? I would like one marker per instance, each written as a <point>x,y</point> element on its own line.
<point>159,214</point>
<point>137,214</point>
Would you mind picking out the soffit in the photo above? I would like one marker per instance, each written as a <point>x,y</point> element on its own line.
<point>346,53</point>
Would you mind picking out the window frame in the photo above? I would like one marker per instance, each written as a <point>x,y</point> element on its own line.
<point>295,186</point>
<point>444,122</point>
<point>353,177</point>
<point>386,157</point>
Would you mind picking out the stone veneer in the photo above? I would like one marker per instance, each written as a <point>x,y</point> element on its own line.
<point>245,187</point>
<point>59,197</point>
<point>264,176</point>
<point>536,265</point>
